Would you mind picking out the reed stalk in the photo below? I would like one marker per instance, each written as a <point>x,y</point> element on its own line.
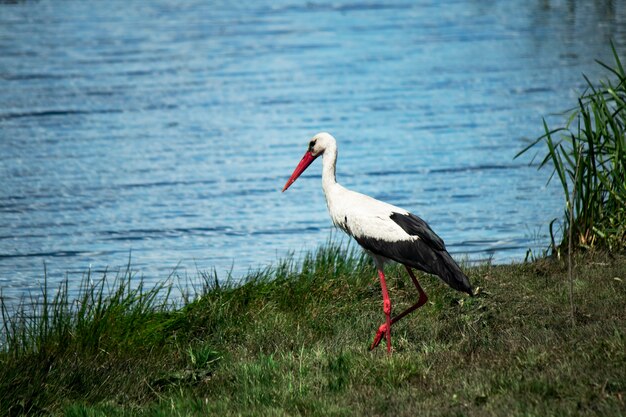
<point>589,159</point>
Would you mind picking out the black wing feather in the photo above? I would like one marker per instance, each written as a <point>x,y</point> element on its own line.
<point>428,253</point>
<point>415,226</point>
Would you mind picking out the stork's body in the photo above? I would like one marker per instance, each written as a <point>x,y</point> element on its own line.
<point>385,231</point>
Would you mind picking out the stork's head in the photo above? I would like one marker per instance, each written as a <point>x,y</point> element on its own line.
<point>317,145</point>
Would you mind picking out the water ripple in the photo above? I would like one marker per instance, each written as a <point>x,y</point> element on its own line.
<point>170,137</point>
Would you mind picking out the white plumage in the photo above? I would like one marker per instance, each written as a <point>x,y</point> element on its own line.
<point>385,231</point>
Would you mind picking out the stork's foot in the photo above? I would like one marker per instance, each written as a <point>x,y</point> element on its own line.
<point>382,330</point>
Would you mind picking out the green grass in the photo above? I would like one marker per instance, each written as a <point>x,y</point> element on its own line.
<point>588,156</point>
<point>293,340</point>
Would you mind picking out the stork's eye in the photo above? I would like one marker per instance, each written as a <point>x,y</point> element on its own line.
<point>312,144</point>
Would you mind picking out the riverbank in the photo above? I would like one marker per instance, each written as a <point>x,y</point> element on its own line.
<point>294,340</point>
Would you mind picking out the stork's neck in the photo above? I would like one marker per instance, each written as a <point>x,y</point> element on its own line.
<point>329,161</point>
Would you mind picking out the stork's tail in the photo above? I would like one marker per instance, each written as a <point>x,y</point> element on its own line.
<point>449,271</point>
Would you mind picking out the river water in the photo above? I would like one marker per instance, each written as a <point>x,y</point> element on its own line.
<point>165,130</point>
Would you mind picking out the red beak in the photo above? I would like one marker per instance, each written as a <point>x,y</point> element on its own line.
<point>304,163</point>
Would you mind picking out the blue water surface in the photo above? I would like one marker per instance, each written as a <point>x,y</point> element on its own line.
<point>165,130</point>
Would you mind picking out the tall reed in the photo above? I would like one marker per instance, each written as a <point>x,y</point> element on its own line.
<point>120,312</point>
<point>103,312</point>
<point>588,155</point>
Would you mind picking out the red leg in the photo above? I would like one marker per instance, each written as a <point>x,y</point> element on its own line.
<point>422,300</point>
<point>386,309</point>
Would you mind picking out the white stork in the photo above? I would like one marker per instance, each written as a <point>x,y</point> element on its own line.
<point>385,231</point>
